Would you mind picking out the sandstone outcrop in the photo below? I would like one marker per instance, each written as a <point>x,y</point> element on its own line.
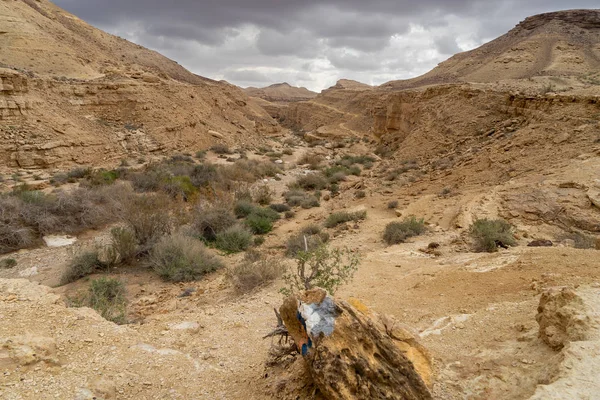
<point>562,317</point>
<point>104,97</point>
<point>354,354</point>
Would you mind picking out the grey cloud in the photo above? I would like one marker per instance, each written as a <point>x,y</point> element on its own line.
<point>310,42</point>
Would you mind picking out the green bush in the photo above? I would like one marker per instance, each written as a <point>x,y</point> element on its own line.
<point>107,296</point>
<point>234,239</point>
<point>204,175</point>
<point>321,267</point>
<point>488,234</point>
<point>182,259</point>
<point>101,177</point>
<point>82,265</point>
<point>259,224</point>
<point>398,232</point>
<point>341,217</point>
<point>266,212</point>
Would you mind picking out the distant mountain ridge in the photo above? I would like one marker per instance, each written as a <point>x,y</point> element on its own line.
<point>281,93</point>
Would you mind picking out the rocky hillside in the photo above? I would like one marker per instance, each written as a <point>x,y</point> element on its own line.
<point>281,93</point>
<point>563,45</point>
<point>88,97</point>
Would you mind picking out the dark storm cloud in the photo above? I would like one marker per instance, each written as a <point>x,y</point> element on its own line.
<point>310,42</point>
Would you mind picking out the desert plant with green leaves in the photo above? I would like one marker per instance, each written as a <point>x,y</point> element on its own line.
<point>489,234</point>
<point>321,267</point>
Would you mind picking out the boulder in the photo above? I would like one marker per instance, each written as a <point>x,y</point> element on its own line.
<point>352,353</point>
<point>562,317</point>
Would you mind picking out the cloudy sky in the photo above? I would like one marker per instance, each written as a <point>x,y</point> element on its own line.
<point>308,42</point>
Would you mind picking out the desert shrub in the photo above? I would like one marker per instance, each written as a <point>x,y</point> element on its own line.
<point>182,259</point>
<point>181,158</point>
<point>220,148</point>
<point>288,152</point>
<point>201,155</point>
<point>290,214</point>
<point>253,272</point>
<point>148,216</point>
<point>82,265</point>
<point>180,186</point>
<point>259,240</point>
<point>8,263</point>
<point>123,246</point>
<point>348,160</point>
<point>101,177</point>
<point>147,181</point>
<point>266,212</point>
<point>341,217</point>
<point>582,241</point>
<point>310,202</point>
<point>79,173</point>
<point>259,223</point>
<point>14,234</point>
<point>360,194</point>
<point>211,220</point>
<point>107,296</point>
<point>322,267</point>
<point>398,232</point>
<point>204,175</point>
<point>234,239</point>
<point>337,177</point>
<point>313,160</point>
<point>392,204</point>
<point>311,182</point>
<point>263,195</point>
<point>308,239</point>
<point>280,207</point>
<point>243,208</point>
<point>59,179</point>
<point>488,234</point>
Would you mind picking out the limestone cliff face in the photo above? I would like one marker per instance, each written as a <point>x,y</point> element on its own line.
<point>104,97</point>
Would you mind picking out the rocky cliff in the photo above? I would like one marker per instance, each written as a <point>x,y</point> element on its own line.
<point>89,97</point>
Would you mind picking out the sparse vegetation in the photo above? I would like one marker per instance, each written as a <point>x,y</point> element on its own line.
<point>180,258</point>
<point>255,271</point>
<point>322,267</point>
<point>263,195</point>
<point>148,217</point>
<point>297,197</point>
<point>260,221</point>
<point>311,181</point>
<point>488,234</point>
<point>360,194</point>
<point>280,207</point>
<point>211,220</point>
<point>123,246</point>
<point>313,160</point>
<point>107,296</point>
<point>392,204</point>
<point>8,263</point>
<point>341,217</point>
<point>82,265</point>
<point>308,239</point>
<point>220,148</point>
<point>398,232</point>
<point>234,239</point>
